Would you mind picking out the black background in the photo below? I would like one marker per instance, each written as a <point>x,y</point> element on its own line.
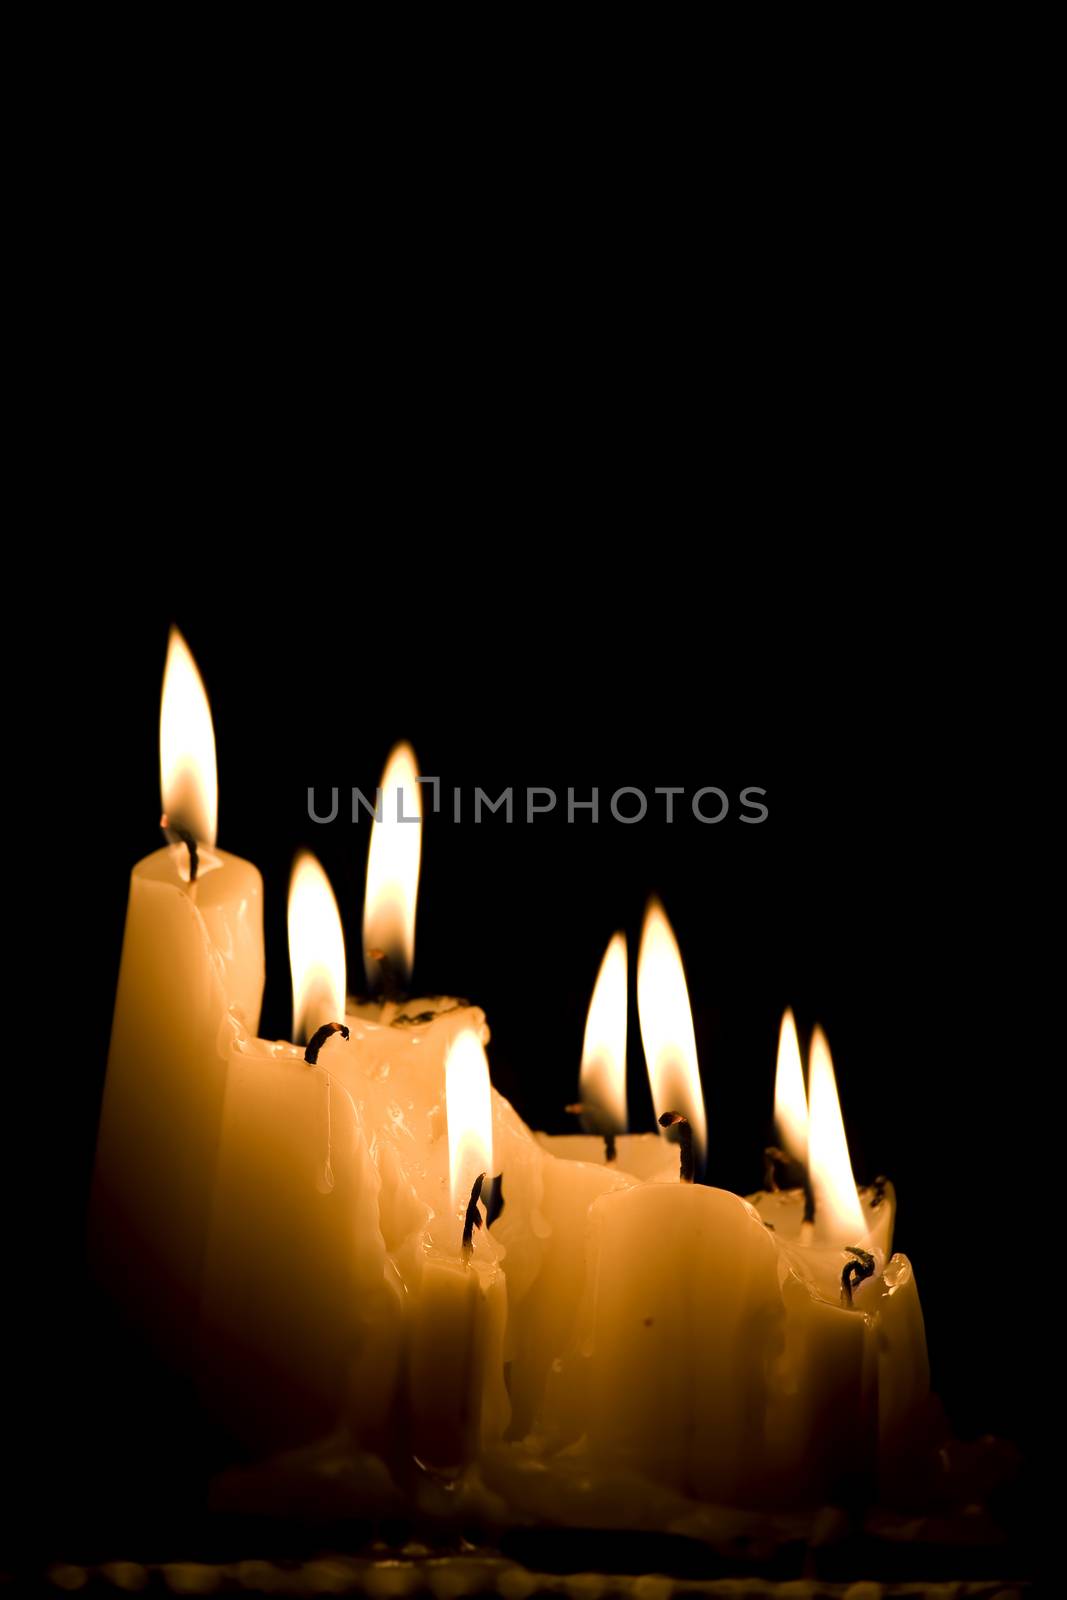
<point>873,899</point>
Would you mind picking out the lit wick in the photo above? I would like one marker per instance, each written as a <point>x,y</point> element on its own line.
<point>182,836</point>
<point>855,1271</point>
<point>687,1166</point>
<point>592,1123</point>
<point>473,1218</point>
<point>780,1171</point>
<point>319,1038</point>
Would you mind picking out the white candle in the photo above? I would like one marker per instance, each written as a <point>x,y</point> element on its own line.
<point>852,1381</point>
<point>300,1312</point>
<point>456,1303</point>
<point>897,1352</point>
<point>301,1309</point>
<point>843,1214</point>
<point>192,962</point>
<point>683,1312</point>
<point>684,1321</point>
<point>546,1387</point>
<point>396,1068</point>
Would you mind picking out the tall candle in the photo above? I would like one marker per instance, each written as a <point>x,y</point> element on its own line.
<point>301,1309</point>
<point>192,960</point>
<point>457,1295</point>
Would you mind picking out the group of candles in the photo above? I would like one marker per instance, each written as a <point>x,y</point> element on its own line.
<point>363,1231</point>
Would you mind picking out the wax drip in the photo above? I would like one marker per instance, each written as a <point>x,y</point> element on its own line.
<point>687,1163</point>
<point>473,1218</point>
<point>854,1272</point>
<point>591,1121</point>
<point>182,836</point>
<point>319,1038</point>
<point>327,1175</point>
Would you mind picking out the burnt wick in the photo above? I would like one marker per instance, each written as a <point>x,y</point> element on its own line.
<point>473,1218</point>
<point>780,1172</point>
<point>182,836</point>
<point>319,1038</point>
<point>383,977</point>
<point>687,1164</point>
<point>593,1123</point>
<point>854,1272</point>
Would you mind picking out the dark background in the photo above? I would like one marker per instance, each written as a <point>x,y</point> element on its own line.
<point>872,900</point>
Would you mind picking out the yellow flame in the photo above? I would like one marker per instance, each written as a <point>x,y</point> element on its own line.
<point>393,868</point>
<point>603,1076</point>
<point>790,1097</point>
<point>316,949</point>
<point>469,1106</point>
<point>666,1020</point>
<point>187,768</point>
<point>838,1214</point>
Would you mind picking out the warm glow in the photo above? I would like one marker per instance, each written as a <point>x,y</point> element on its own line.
<point>188,773</point>
<point>667,1027</point>
<point>838,1215</point>
<point>469,1103</point>
<point>790,1098</point>
<point>316,949</point>
<point>603,1075</point>
<point>393,870</point>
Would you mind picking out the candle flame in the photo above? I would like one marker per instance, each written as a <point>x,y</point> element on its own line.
<point>603,1074</point>
<point>187,768</point>
<point>666,1020</point>
<point>393,869</point>
<point>316,949</point>
<point>790,1096</point>
<point>469,1106</point>
<point>838,1214</point>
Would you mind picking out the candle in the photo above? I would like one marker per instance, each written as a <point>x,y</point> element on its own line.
<point>683,1323</point>
<point>192,962</point>
<point>544,1313</point>
<point>852,1384</point>
<point>457,1296</point>
<point>682,1312</point>
<point>813,1223</point>
<point>395,1070</point>
<point>602,1086</point>
<point>896,1350</point>
<point>301,1310</point>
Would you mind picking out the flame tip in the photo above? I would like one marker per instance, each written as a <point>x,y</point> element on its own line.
<point>188,768</point>
<point>316,947</point>
<point>469,1113</point>
<point>393,867</point>
<point>666,1017</point>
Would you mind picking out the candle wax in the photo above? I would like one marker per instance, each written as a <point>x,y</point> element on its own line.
<point>300,1313</point>
<point>192,956</point>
